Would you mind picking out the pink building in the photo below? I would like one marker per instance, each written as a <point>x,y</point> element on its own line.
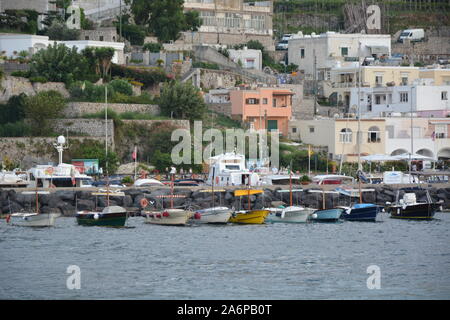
<point>263,108</point>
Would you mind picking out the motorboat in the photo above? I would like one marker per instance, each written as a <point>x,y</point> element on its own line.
<point>147,183</point>
<point>170,216</point>
<point>292,213</point>
<point>332,179</point>
<point>409,208</point>
<point>214,215</point>
<point>326,214</point>
<point>249,216</point>
<point>358,211</point>
<point>109,216</point>
<point>229,170</point>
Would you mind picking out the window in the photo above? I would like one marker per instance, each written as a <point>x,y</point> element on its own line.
<point>444,95</point>
<point>101,38</point>
<point>404,80</point>
<point>208,18</point>
<point>252,101</point>
<point>302,53</point>
<point>345,135</point>
<point>379,80</point>
<point>274,103</point>
<point>374,135</point>
<point>294,130</point>
<point>265,100</point>
<point>86,38</point>
<point>441,131</point>
<point>344,51</point>
<point>403,96</point>
<point>311,129</point>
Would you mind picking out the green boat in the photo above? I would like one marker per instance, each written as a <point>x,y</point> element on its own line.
<point>112,216</point>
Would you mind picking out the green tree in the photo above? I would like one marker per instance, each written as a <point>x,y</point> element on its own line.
<point>13,110</point>
<point>59,31</point>
<point>165,19</point>
<point>60,64</point>
<point>182,100</point>
<point>99,59</point>
<point>41,109</point>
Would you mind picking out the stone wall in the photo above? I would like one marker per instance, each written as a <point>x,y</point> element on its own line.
<point>31,151</point>
<point>212,79</point>
<point>78,109</point>
<point>88,127</point>
<point>150,123</point>
<point>12,86</point>
<point>224,108</point>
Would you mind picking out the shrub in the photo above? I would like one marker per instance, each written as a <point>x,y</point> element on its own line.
<point>147,77</point>
<point>38,79</point>
<point>127,179</point>
<point>23,74</point>
<point>14,129</point>
<point>122,86</point>
<point>152,47</point>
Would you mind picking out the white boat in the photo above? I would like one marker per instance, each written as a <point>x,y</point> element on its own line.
<point>147,183</point>
<point>167,217</point>
<point>229,170</point>
<point>332,179</point>
<point>292,214</point>
<point>62,175</point>
<point>33,219</point>
<point>13,179</point>
<point>213,215</point>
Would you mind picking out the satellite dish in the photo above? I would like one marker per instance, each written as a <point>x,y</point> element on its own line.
<point>61,140</point>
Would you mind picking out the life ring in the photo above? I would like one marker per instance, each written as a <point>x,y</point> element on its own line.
<point>143,202</point>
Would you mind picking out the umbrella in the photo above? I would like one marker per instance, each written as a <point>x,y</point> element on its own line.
<point>380,157</point>
<point>407,156</point>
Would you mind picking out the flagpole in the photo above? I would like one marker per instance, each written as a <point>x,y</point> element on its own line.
<point>135,162</point>
<point>309,160</point>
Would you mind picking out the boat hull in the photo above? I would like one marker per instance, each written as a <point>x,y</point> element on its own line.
<point>249,217</point>
<point>367,213</point>
<point>102,220</point>
<point>169,217</point>
<point>34,220</point>
<point>212,216</point>
<point>290,216</point>
<point>419,211</point>
<point>327,215</point>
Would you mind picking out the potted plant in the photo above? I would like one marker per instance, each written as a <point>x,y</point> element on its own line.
<point>305,180</point>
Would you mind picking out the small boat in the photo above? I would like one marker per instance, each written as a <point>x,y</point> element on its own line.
<point>249,216</point>
<point>111,216</point>
<point>324,214</point>
<point>327,215</point>
<point>361,212</point>
<point>214,215</point>
<point>409,208</point>
<point>171,217</point>
<point>33,219</point>
<point>291,214</point>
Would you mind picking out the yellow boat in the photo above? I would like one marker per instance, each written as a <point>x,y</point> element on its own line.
<point>249,217</point>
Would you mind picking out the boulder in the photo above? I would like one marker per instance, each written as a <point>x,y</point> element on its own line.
<point>67,210</point>
<point>65,195</point>
<point>12,207</point>
<point>47,209</point>
<point>84,204</point>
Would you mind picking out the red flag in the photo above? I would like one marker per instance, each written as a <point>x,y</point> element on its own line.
<point>134,155</point>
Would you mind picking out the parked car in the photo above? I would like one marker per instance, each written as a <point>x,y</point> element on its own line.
<point>112,183</point>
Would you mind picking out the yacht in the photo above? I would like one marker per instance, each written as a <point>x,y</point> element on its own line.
<point>229,169</point>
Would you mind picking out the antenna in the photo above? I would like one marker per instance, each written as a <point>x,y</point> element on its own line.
<point>60,145</point>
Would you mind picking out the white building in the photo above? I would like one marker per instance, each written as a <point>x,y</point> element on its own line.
<point>12,44</point>
<point>430,136</point>
<point>424,100</point>
<point>249,58</point>
<point>326,50</point>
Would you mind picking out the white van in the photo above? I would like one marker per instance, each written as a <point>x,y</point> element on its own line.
<point>412,35</point>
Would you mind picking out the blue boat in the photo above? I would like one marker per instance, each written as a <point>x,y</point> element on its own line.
<point>361,212</point>
<point>327,215</point>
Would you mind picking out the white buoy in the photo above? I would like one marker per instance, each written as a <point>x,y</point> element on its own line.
<point>314,216</point>
<point>96,216</point>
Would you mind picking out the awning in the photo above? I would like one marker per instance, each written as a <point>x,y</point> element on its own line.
<point>378,49</point>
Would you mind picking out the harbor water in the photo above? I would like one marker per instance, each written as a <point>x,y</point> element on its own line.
<point>271,261</point>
